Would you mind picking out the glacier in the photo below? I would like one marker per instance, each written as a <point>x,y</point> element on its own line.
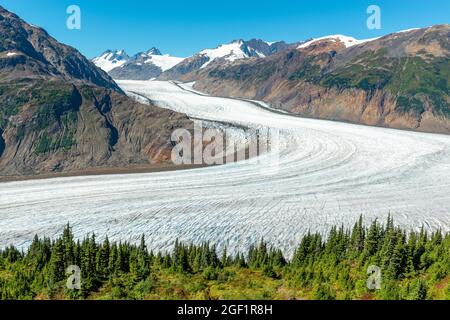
<point>328,173</point>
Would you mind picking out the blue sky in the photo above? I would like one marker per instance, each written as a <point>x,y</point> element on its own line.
<point>182,28</point>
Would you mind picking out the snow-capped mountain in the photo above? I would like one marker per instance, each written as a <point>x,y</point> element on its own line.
<point>141,66</point>
<point>151,52</point>
<point>235,50</point>
<point>345,40</point>
<point>230,52</point>
<point>155,57</point>
<point>109,60</point>
<point>240,49</point>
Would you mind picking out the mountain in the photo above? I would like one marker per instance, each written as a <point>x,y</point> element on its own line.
<point>109,60</point>
<point>225,53</point>
<point>401,80</point>
<point>142,66</point>
<point>28,51</point>
<point>153,64</point>
<point>59,112</point>
<point>337,38</point>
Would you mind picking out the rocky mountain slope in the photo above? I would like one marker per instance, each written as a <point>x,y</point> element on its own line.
<point>142,66</point>
<point>223,54</point>
<point>59,112</point>
<point>153,64</point>
<point>109,60</point>
<point>401,80</point>
<point>29,52</point>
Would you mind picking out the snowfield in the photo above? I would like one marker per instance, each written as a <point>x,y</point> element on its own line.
<point>346,40</point>
<point>329,173</point>
<point>111,60</point>
<point>165,62</point>
<point>230,51</point>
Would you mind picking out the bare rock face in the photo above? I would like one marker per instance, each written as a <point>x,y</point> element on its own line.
<point>60,113</point>
<point>82,127</point>
<point>401,80</point>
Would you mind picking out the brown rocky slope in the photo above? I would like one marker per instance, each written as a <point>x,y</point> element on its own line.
<point>401,80</point>
<point>60,113</point>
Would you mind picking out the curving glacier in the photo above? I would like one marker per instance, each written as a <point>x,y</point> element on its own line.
<point>328,173</point>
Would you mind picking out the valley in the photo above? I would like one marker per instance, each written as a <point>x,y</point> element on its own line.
<point>327,173</point>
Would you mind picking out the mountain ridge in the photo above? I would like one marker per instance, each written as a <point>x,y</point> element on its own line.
<point>137,67</point>
<point>32,52</point>
<point>111,59</point>
<point>60,113</point>
<point>224,53</point>
<point>400,80</point>
<point>141,66</point>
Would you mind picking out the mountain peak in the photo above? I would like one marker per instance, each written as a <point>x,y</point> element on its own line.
<point>345,40</point>
<point>42,56</point>
<point>154,52</point>
<point>111,59</point>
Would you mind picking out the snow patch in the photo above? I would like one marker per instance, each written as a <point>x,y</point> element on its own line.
<point>408,30</point>
<point>230,52</point>
<point>346,40</point>
<point>111,60</point>
<point>164,62</point>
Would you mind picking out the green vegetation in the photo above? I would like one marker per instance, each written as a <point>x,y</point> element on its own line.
<point>51,93</point>
<point>414,80</point>
<point>242,72</point>
<point>3,122</point>
<point>53,105</point>
<point>12,98</point>
<point>52,101</point>
<point>307,70</point>
<point>410,104</point>
<point>413,266</point>
<point>62,140</point>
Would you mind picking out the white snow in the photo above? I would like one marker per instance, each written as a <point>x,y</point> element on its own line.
<point>111,60</point>
<point>408,30</point>
<point>165,62</point>
<point>231,52</point>
<point>346,40</point>
<point>329,174</point>
<point>260,54</point>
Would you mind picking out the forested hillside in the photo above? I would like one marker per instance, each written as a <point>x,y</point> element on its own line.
<point>414,265</point>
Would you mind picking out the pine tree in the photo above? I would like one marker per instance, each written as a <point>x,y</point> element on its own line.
<point>102,259</point>
<point>57,264</point>
<point>143,260</point>
<point>357,238</point>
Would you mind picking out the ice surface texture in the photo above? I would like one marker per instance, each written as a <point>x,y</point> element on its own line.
<point>329,174</point>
